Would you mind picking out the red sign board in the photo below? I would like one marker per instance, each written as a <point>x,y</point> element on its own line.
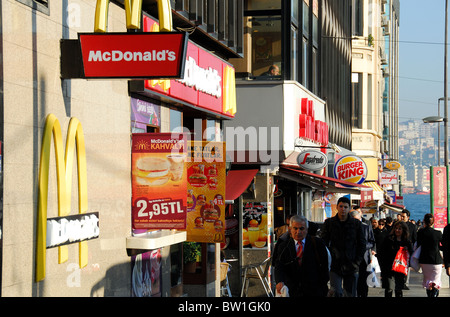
<point>133,55</point>
<point>439,196</point>
<point>207,82</point>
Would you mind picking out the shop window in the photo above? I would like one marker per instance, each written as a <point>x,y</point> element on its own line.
<point>39,5</point>
<point>176,124</point>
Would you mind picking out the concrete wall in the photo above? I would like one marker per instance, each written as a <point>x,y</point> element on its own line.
<point>32,90</point>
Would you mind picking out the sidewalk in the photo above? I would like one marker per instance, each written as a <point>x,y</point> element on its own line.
<point>415,287</point>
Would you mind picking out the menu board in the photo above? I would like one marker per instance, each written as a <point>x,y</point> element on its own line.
<point>206,179</point>
<point>158,181</point>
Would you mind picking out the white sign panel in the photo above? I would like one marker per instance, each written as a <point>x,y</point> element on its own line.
<point>389,178</point>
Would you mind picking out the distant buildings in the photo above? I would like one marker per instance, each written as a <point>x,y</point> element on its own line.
<point>418,148</point>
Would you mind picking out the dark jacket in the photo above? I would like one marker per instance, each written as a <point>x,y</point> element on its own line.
<point>446,246</point>
<point>346,242</point>
<point>308,279</point>
<point>388,251</point>
<point>412,229</point>
<point>429,239</point>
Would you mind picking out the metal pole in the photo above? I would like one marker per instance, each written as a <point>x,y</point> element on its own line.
<point>445,87</point>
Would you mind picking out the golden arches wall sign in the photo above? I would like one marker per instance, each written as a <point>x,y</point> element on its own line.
<point>64,169</point>
<point>133,12</point>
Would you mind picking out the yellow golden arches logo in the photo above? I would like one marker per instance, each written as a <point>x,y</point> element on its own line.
<point>64,169</point>
<point>133,12</point>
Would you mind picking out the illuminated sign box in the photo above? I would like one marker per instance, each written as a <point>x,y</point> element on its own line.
<point>124,55</point>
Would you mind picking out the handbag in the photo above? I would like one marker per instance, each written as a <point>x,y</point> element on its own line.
<point>401,261</point>
<point>415,259</point>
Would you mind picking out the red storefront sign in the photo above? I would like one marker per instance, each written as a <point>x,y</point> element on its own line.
<point>133,55</point>
<point>208,81</point>
<point>310,128</point>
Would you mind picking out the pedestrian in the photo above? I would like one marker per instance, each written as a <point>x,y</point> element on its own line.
<point>388,224</point>
<point>412,229</point>
<point>430,259</point>
<point>362,289</point>
<point>391,280</point>
<point>301,262</point>
<point>379,231</point>
<point>446,248</point>
<point>405,216</point>
<point>344,237</point>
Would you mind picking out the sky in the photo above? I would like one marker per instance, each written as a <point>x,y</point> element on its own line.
<point>421,58</point>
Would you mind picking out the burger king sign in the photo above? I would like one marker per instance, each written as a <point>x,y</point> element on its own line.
<point>350,169</point>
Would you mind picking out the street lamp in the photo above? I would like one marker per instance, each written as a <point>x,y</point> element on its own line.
<point>436,119</point>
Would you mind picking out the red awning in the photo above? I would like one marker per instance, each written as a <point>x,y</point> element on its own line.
<point>237,182</point>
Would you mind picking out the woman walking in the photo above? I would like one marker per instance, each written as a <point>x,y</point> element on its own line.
<point>430,259</point>
<point>391,280</point>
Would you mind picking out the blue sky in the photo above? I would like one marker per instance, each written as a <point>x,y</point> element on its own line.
<point>421,58</point>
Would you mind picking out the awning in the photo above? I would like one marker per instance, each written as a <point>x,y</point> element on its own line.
<point>321,182</point>
<point>378,192</point>
<point>375,186</point>
<point>237,182</point>
<point>393,207</point>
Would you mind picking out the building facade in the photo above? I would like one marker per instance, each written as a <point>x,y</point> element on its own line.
<point>39,103</point>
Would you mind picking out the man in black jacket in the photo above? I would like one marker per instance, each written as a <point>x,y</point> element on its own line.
<point>301,262</point>
<point>344,236</point>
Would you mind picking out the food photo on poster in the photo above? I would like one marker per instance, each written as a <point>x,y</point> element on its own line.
<point>206,177</point>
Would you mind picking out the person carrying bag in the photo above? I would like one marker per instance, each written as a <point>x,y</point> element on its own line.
<point>394,259</point>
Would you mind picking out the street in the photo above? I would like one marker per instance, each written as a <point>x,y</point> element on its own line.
<point>415,287</point>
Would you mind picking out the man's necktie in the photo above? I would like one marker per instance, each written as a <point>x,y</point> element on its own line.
<point>299,252</point>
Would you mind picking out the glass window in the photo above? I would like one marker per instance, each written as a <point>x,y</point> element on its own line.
<point>306,64</point>
<point>294,12</point>
<point>294,54</point>
<point>266,46</point>
<point>357,100</point>
<point>176,124</point>
<point>305,18</point>
<point>357,8</point>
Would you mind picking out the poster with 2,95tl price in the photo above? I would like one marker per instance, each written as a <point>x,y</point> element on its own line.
<point>158,181</point>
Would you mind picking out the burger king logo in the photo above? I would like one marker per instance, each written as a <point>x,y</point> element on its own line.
<point>350,169</point>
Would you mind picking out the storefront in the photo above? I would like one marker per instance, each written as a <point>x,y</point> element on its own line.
<point>109,250</point>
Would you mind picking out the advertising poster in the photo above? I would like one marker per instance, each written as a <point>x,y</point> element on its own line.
<point>255,234</point>
<point>158,181</point>
<point>146,274</point>
<point>206,184</point>
<point>439,196</point>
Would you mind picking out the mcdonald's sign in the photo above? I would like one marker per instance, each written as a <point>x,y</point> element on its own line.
<point>64,169</point>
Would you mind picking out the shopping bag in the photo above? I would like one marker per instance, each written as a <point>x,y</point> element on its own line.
<point>372,280</point>
<point>401,261</point>
<point>415,259</point>
<point>373,266</point>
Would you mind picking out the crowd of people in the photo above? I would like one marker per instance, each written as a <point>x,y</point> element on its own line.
<point>334,260</point>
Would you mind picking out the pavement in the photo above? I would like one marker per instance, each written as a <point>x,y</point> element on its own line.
<point>415,286</point>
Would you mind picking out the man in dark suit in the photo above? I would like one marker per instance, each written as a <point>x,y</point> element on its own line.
<point>301,262</point>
